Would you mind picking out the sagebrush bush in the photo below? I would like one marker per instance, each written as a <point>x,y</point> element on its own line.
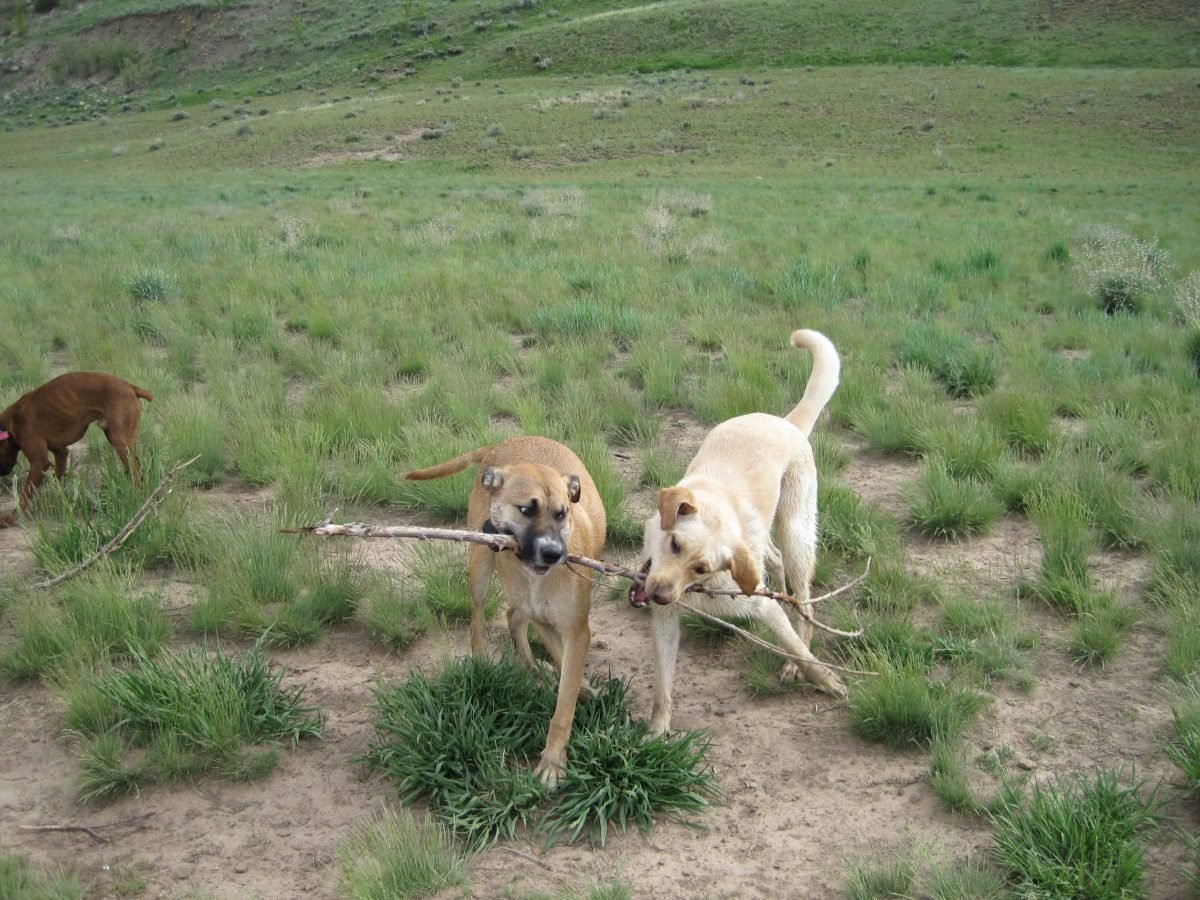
<point>1118,269</point>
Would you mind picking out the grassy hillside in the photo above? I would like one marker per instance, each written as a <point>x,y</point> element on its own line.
<point>121,47</point>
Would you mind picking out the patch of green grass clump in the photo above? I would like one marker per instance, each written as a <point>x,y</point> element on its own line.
<point>947,507</point>
<point>1184,748</point>
<point>194,711</point>
<point>903,707</point>
<point>464,740</point>
<point>19,879</point>
<point>1079,836</point>
<point>962,368</point>
<point>396,854</point>
<point>98,618</point>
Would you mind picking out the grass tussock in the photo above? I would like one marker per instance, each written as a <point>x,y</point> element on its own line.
<point>396,854</point>
<point>463,741</point>
<point>194,712</point>
<point>1077,837</point>
<point>20,879</point>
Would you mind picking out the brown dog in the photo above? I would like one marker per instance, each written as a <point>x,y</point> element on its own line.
<point>538,491</point>
<point>50,418</point>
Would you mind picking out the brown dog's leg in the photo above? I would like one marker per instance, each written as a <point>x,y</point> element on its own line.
<point>60,462</point>
<point>553,763</point>
<point>483,561</point>
<point>39,461</point>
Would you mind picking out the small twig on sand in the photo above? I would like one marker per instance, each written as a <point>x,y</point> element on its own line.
<point>119,539</point>
<point>524,855</point>
<point>89,830</point>
<point>506,542</point>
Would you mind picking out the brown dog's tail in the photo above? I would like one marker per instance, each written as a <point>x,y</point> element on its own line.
<point>140,392</point>
<point>450,466</point>
<point>823,381</point>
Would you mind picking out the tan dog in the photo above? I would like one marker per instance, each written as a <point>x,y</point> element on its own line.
<point>538,491</point>
<point>50,418</point>
<point>752,473</point>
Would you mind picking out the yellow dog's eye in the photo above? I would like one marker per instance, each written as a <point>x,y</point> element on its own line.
<point>675,545</point>
<point>701,569</point>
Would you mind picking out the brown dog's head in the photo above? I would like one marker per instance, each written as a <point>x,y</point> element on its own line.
<point>689,542</point>
<point>8,449</point>
<point>532,503</point>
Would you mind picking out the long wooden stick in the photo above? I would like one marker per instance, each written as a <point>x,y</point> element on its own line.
<point>119,539</point>
<point>506,542</point>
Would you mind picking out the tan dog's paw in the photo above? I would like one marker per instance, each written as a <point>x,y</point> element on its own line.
<point>550,772</point>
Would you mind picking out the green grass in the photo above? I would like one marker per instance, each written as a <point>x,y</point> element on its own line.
<point>903,707</point>
<point>396,854</point>
<point>620,259</point>
<point>1184,748</point>
<point>19,879</point>
<point>943,506</point>
<point>1078,836</point>
<point>97,618</point>
<point>463,739</point>
<point>194,711</point>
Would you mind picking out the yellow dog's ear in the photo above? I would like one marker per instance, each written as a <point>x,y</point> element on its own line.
<point>674,502</point>
<point>743,569</point>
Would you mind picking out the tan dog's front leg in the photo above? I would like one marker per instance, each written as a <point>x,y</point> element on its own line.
<point>518,630</point>
<point>553,763</point>
<point>483,561</point>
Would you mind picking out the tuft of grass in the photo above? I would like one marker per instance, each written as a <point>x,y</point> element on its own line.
<point>396,854</point>
<point>97,619</point>
<point>1184,748</point>
<point>196,711</point>
<point>1098,632</point>
<point>462,741</point>
<point>1062,523</point>
<point>1076,837</point>
<point>903,707</point>
<point>19,879</point>
<point>1023,419</point>
<point>967,449</point>
<point>102,771</point>
<point>947,507</point>
<point>852,527</point>
<point>892,876</point>
<point>962,368</point>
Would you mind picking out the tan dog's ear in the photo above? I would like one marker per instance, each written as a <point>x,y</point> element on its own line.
<point>574,488</point>
<point>492,478</point>
<point>743,569</point>
<point>674,502</point>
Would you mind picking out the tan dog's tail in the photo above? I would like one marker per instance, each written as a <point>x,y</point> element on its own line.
<point>823,381</point>
<point>140,392</point>
<point>449,467</point>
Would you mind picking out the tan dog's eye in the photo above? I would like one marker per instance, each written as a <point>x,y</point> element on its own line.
<point>560,515</point>
<point>526,511</point>
<point>675,548</point>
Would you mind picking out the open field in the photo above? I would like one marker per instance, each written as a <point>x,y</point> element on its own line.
<point>332,275</point>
